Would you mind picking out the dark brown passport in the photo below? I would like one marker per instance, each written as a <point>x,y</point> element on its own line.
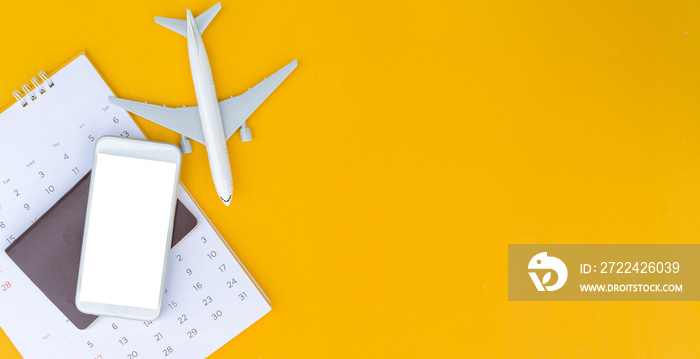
<point>49,251</point>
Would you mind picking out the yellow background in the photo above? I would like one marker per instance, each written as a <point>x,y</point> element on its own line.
<point>414,142</point>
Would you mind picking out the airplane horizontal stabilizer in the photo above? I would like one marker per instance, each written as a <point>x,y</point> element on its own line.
<point>180,26</point>
<point>176,25</point>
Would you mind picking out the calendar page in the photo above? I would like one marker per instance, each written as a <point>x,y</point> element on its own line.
<point>45,148</point>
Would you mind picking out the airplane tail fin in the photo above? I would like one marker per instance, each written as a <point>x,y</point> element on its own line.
<point>180,26</point>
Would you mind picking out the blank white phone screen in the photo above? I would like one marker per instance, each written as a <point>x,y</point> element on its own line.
<point>127,231</point>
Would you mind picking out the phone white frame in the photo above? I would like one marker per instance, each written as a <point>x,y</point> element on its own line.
<point>142,149</point>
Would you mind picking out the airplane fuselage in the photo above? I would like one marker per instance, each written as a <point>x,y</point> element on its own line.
<point>209,112</point>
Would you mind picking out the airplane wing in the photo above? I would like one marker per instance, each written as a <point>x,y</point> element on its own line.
<point>183,120</point>
<point>235,110</point>
<point>205,18</point>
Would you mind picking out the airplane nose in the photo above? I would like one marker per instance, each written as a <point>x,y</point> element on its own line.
<point>227,202</point>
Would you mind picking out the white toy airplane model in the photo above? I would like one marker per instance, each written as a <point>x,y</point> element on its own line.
<point>212,122</point>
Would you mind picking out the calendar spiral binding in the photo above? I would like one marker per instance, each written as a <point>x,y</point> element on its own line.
<point>28,91</point>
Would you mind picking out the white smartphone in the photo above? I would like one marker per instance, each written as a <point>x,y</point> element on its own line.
<point>128,228</point>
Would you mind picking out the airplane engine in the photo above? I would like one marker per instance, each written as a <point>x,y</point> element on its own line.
<point>185,145</point>
<point>246,135</point>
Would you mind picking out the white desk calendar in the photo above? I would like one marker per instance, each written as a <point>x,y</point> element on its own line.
<point>46,145</point>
